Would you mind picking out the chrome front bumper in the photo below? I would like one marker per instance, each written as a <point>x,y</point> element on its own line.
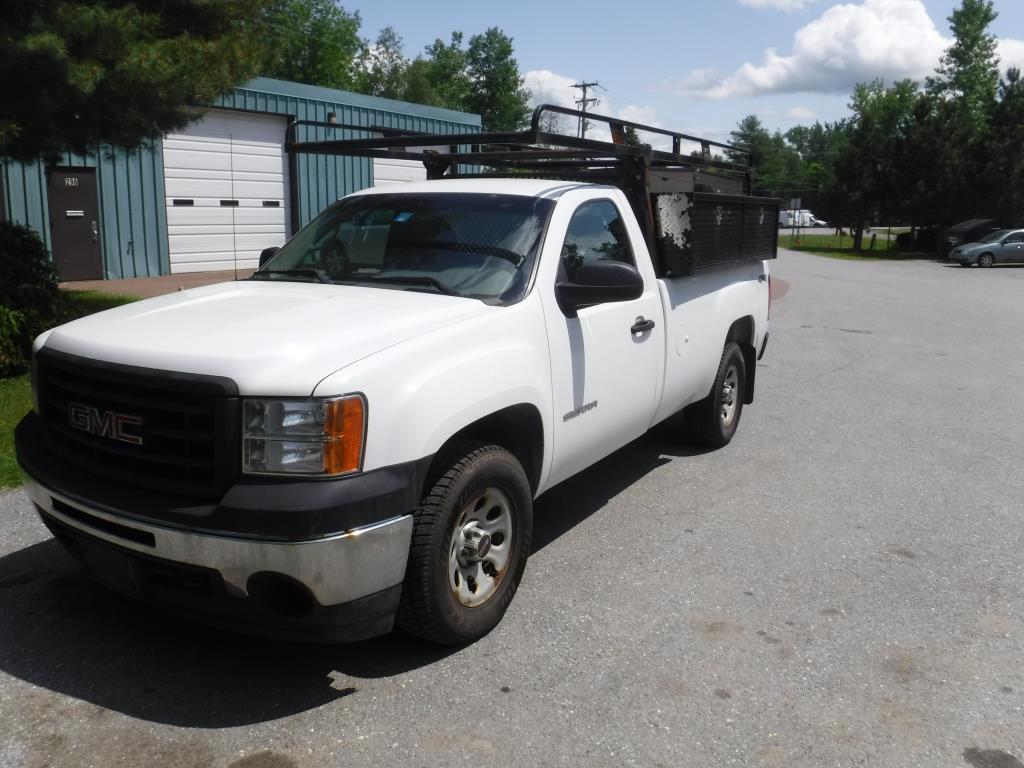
<point>335,569</point>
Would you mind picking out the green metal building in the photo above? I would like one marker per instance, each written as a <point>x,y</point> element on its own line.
<point>215,194</point>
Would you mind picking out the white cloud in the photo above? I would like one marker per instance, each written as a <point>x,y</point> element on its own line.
<point>637,114</point>
<point>847,44</point>
<point>802,114</point>
<point>1011,54</point>
<point>547,87</point>
<point>779,5</point>
<point>647,116</point>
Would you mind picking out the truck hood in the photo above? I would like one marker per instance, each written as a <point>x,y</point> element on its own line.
<point>271,338</point>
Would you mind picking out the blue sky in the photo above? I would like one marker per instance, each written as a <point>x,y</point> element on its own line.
<point>700,66</point>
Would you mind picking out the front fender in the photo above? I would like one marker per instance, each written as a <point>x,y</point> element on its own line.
<point>423,391</point>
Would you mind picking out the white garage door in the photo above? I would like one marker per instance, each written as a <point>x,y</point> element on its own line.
<point>389,171</point>
<point>226,177</point>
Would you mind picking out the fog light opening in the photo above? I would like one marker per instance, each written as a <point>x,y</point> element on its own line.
<point>280,594</point>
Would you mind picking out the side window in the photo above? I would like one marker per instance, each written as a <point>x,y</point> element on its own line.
<point>1016,237</point>
<point>596,232</point>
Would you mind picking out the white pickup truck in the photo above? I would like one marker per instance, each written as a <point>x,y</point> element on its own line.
<point>358,432</point>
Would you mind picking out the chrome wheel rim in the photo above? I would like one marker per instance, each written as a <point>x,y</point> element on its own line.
<point>985,261</point>
<point>481,547</point>
<point>730,392</point>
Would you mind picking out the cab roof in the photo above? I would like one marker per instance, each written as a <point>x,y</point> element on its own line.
<point>521,187</point>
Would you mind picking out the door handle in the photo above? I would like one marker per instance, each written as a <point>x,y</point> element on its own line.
<point>641,326</point>
<point>95,232</point>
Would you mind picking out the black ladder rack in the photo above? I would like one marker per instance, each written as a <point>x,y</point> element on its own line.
<point>696,210</point>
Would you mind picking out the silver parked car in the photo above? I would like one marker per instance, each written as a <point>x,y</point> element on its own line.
<point>1005,246</point>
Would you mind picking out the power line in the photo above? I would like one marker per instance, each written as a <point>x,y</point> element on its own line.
<point>584,103</point>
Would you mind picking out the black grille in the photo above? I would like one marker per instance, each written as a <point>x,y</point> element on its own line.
<point>189,428</point>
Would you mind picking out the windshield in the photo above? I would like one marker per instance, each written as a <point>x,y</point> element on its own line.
<point>994,236</point>
<point>480,246</point>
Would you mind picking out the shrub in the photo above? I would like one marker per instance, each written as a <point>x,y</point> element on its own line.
<point>12,356</point>
<point>30,298</point>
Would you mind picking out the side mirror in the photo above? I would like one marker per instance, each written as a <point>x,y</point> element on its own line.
<point>267,254</point>
<point>599,282</point>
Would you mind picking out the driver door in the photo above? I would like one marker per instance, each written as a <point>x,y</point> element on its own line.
<point>606,374</point>
<point>1012,249</point>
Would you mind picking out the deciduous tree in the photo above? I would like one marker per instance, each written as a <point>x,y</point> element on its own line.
<point>496,91</point>
<point>867,167</point>
<point>447,72</point>
<point>383,67</point>
<point>310,41</point>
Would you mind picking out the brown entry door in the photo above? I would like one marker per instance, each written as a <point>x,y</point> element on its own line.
<point>75,223</point>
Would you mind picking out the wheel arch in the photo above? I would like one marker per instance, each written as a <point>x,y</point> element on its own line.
<point>517,428</point>
<point>742,332</point>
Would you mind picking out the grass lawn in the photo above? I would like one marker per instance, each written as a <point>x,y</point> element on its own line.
<point>87,302</point>
<point>841,247</point>
<point>15,402</point>
<point>16,394</point>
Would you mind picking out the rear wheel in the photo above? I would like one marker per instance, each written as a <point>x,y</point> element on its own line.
<point>713,420</point>
<point>470,541</point>
<point>986,260</point>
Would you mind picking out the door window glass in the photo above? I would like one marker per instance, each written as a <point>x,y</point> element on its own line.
<point>596,233</point>
<point>1015,238</point>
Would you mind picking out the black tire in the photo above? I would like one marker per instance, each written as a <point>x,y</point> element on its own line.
<point>429,607</point>
<point>986,260</point>
<point>703,420</point>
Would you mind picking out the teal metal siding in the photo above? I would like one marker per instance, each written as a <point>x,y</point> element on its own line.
<point>130,192</point>
<point>25,187</point>
<point>132,199</point>
<point>322,179</point>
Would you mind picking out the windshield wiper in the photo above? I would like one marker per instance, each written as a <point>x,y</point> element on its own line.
<point>319,274</point>
<point>516,259</point>
<point>431,282</point>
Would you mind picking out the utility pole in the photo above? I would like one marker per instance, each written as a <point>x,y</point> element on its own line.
<point>584,103</point>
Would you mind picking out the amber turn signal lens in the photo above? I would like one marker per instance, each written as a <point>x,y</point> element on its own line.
<point>344,428</point>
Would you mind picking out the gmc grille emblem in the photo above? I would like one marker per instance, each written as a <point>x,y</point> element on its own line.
<point>104,424</point>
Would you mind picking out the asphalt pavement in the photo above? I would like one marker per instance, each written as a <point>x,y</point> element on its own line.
<point>842,585</point>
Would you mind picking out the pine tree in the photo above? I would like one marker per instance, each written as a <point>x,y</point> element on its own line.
<point>1005,152</point>
<point>954,119</point>
<point>968,73</point>
<point>77,75</point>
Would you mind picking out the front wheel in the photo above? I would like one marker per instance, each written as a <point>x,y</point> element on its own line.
<point>986,260</point>
<point>470,541</point>
<point>713,420</point>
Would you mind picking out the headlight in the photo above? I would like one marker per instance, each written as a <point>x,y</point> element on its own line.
<point>317,436</point>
